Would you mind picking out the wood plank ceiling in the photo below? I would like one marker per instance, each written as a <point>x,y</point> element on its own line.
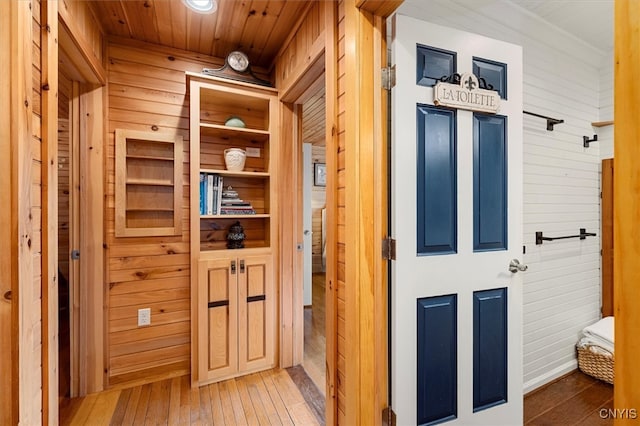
<point>313,119</point>
<point>257,27</point>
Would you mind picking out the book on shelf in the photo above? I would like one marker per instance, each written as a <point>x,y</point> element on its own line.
<point>219,194</point>
<point>237,211</point>
<point>203,194</point>
<point>210,193</point>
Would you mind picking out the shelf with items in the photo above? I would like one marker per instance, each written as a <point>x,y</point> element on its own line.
<point>221,195</point>
<point>246,236</point>
<point>218,106</point>
<point>148,190</point>
<point>212,153</point>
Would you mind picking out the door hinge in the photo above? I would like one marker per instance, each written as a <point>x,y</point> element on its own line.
<point>388,417</point>
<point>389,77</point>
<point>75,254</point>
<point>389,249</point>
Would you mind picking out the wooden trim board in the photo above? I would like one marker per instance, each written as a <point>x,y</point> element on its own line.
<point>49,43</point>
<point>606,208</point>
<point>626,190</point>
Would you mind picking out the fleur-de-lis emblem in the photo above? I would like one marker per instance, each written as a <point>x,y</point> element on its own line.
<point>470,84</point>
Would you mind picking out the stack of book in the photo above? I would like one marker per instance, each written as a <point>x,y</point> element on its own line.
<point>210,194</point>
<point>232,204</point>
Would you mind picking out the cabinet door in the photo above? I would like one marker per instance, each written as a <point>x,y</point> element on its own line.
<point>218,318</point>
<point>256,313</point>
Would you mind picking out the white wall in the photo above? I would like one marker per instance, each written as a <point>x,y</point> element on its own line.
<point>605,134</point>
<point>561,178</point>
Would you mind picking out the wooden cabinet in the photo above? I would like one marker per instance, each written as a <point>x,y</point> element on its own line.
<point>233,297</point>
<point>148,193</point>
<point>236,317</point>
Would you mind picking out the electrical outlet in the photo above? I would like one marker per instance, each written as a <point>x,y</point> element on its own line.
<point>144,316</point>
<point>253,152</point>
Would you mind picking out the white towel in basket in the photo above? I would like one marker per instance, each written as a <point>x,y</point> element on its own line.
<point>599,334</point>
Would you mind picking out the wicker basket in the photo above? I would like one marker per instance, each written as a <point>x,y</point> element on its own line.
<point>596,364</point>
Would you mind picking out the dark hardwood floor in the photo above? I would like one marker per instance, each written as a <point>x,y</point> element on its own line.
<point>574,399</point>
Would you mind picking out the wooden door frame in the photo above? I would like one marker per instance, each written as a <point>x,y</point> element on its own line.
<point>294,90</point>
<point>89,141</point>
<point>626,189</point>
<point>11,55</point>
<point>606,228</point>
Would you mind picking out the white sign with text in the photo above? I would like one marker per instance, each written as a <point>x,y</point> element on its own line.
<point>466,95</point>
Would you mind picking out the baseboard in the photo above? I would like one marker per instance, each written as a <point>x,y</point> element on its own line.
<point>550,376</point>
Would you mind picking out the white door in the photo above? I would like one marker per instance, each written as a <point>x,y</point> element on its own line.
<point>457,219</point>
<point>307,179</point>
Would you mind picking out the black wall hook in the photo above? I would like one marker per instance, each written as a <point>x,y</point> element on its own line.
<point>586,141</point>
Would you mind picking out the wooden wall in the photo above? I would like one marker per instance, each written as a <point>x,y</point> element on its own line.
<point>80,21</point>
<point>147,91</point>
<point>301,50</point>
<point>80,17</point>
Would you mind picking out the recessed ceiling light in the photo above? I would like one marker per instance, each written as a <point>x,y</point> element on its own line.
<point>202,6</point>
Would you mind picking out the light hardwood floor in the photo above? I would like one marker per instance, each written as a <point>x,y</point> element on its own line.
<point>314,338</point>
<point>270,397</point>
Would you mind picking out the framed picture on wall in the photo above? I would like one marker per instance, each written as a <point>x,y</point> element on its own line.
<point>320,174</point>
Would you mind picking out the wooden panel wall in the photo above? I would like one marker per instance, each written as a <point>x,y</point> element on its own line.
<point>302,49</point>
<point>80,20</point>
<point>85,24</point>
<point>147,91</point>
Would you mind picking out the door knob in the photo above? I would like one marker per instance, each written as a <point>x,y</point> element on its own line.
<point>307,232</point>
<point>515,266</point>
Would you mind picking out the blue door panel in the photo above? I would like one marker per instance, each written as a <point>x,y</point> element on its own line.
<point>489,348</point>
<point>437,359</point>
<point>436,171</point>
<point>489,182</point>
<point>494,73</point>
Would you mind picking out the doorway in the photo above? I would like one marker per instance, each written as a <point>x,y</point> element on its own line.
<point>314,235</point>
<point>65,172</point>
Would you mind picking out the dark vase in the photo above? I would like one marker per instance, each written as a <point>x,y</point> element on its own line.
<point>235,237</point>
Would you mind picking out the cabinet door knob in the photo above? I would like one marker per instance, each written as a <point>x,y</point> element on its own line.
<point>8,295</point>
<point>233,267</point>
<point>242,266</point>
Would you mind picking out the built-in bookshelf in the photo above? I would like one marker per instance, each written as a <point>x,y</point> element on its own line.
<point>148,192</point>
<point>233,297</point>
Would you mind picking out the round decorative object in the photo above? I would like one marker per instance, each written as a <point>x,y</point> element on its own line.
<point>234,122</point>
<point>234,159</point>
<point>235,237</point>
<point>238,61</point>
